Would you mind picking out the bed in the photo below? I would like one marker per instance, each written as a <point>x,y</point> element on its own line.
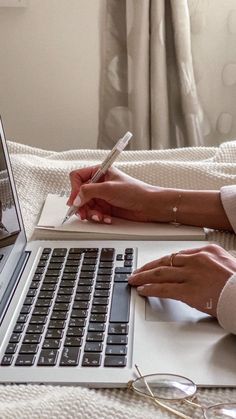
<point>39,172</point>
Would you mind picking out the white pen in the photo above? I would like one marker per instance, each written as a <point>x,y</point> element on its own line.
<point>106,164</point>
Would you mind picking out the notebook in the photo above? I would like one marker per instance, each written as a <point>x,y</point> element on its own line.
<point>50,220</point>
<point>69,316</point>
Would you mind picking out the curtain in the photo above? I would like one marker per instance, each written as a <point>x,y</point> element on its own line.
<point>150,85</point>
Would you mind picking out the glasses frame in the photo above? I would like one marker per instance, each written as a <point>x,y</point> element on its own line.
<point>159,400</point>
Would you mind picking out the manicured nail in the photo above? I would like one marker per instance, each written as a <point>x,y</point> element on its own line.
<point>107,220</point>
<point>77,201</point>
<point>95,218</point>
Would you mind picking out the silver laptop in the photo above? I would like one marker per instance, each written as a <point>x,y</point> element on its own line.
<point>68,316</point>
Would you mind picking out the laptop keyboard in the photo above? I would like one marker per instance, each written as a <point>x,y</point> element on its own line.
<point>76,311</point>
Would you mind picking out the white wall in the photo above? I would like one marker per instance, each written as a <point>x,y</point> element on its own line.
<point>49,74</point>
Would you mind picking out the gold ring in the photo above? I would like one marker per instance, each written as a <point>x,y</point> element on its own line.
<point>172,256</point>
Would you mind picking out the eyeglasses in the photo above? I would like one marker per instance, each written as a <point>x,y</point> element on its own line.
<point>174,388</point>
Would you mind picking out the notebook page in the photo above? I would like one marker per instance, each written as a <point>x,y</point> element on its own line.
<point>55,209</point>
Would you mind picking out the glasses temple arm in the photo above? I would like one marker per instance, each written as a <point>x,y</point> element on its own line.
<point>158,402</point>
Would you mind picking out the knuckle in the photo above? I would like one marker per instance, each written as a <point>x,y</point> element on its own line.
<point>212,247</point>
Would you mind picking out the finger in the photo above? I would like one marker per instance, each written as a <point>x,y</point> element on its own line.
<point>78,178</point>
<point>164,261</point>
<point>162,274</point>
<point>173,291</point>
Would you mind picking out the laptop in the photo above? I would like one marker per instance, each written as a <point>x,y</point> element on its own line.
<point>68,315</point>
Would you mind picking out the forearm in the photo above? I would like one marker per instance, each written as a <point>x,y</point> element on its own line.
<point>196,208</point>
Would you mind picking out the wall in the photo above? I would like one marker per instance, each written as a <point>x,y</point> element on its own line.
<point>49,73</point>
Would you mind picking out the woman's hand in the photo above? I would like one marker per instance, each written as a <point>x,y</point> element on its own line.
<point>117,194</point>
<point>196,277</point>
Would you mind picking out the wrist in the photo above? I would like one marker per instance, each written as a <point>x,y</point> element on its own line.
<point>161,204</point>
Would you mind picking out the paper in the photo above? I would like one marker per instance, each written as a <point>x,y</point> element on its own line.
<point>55,209</point>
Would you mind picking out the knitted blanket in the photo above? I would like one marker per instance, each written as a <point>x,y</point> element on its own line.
<point>38,172</point>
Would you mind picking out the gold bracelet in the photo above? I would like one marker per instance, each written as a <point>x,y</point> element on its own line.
<point>175,210</point>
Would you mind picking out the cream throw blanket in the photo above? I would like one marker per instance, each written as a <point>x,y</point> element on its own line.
<point>38,172</point>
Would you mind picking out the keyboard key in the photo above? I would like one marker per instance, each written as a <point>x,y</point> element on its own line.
<point>121,277</point>
<point>35,328</point>
<point>25,360</point>
<point>59,315</point>
<point>96,327</point>
<point>85,281</point>
<point>7,360</point>
<point>95,337</point>
<point>96,309</point>
<point>19,327</point>
<point>54,334</point>
<point>38,319</point>
<point>107,254</point>
<point>102,286</point>
<point>82,297</point>
<point>123,270</point>
<point>118,329</point>
<point>63,299</point>
<point>29,348</point>
<point>120,304</point>
<point>79,313</point>
<point>115,361</point>
<point>80,305</point>
<point>129,250</point>
<point>117,339</point>
<point>11,348</point>
<point>70,356</point>
<point>48,357</point>
<point>93,347</point>
<point>59,252</point>
<point>75,331</point>
<point>101,293</point>
<point>15,338</point>
<point>77,322</point>
<point>98,318</point>
<point>116,350</point>
<point>51,344</point>
<point>103,271</point>
<point>61,307</point>
<point>33,338</point>
<point>40,311</point>
<point>56,324</point>
<point>91,360</point>
<point>73,341</point>
<point>22,318</point>
<point>100,301</point>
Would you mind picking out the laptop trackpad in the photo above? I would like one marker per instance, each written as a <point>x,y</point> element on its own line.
<point>166,310</point>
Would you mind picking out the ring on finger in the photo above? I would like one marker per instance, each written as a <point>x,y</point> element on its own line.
<point>172,256</point>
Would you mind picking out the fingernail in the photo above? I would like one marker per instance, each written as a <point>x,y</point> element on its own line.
<point>77,201</point>
<point>107,220</point>
<point>95,218</point>
<point>78,216</point>
<point>135,271</point>
<point>140,289</point>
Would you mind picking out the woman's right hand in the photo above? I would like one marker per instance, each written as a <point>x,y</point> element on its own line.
<point>117,194</point>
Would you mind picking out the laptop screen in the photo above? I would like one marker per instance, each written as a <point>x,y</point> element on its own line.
<point>12,237</point>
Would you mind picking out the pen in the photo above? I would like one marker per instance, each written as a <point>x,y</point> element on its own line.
<point>106,164</point>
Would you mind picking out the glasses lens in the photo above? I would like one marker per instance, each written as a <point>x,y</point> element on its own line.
<point>165,386</point>
<point>221,411</point>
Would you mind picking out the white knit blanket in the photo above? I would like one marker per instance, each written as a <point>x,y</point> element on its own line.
<point>38,172</point>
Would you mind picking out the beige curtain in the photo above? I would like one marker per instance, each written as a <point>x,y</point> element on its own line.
<point>150,84</point>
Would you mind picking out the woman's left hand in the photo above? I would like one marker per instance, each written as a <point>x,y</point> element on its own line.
<point>194,276</point>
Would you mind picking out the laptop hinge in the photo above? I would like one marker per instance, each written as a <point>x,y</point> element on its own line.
<point>7,297</point>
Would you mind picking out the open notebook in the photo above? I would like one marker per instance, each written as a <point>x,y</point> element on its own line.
<point>54,210</point>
